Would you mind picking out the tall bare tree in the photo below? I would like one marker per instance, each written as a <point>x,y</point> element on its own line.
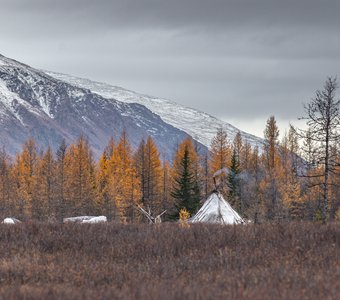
<point>323,121</point>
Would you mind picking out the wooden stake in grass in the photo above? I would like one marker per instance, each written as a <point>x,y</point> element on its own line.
<point>152,220</point>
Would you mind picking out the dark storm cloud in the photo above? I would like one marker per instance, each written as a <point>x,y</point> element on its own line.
<point>237,59</point>
<point>202,13</point>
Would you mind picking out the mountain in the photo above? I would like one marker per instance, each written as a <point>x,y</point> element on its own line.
<point>201,126</point>
<point>50,106</point>
<point>35,104</point>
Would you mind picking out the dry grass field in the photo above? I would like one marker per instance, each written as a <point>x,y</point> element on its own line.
<point>110,261</point>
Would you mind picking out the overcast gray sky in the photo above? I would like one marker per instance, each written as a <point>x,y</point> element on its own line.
<point>240,60</point>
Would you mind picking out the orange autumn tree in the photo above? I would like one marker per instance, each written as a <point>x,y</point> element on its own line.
<point>220,151</point>
<point>105,203</point>
<point>220,157</point>
<point>6,185</point>
<point>139,162</point>
<point>45,186</point>
<point>148,163</point>
<point>238,146</point>
<point>61,181</point>
<point>80,185</point>
<point>103,200</point>
<point>246,154</point>
<point>25,169</point>
<point>124,184</point>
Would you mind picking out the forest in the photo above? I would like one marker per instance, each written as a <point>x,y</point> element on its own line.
<point>295,178</point>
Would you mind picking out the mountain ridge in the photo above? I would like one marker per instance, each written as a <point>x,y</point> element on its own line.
<point>179,116</point>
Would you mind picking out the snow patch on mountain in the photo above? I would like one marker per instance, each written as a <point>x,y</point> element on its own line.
<point>29,77</point>
<point>10,101</point>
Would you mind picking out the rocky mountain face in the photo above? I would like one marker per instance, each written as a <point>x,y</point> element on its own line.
<point>35,104</point>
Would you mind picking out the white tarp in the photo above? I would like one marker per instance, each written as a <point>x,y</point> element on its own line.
<point>100,219</point>
<point>85,219</point>
<point>10,221</point>
<point>217,210</point>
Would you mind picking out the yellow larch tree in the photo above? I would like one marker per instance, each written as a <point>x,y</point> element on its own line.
<point>104,203</point>
<point>45,186</point>
<point>80,187</point>
<point>220,158</point>
<point>139,162</point>
<point>238,146</point>
<point>187,144</point>
<point>6,200</point>
<point>151,194</point>
<point>124,184</point>
<point>220,151</point>
<point>61,180</point>
<point>25,168</point>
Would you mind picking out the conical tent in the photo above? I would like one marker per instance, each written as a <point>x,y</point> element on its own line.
<point>218,211</point>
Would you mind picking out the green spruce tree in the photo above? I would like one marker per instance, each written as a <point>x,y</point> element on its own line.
<point>186,190</point>
<point>234,182</point>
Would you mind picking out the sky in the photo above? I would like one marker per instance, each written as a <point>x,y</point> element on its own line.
<point>239,60</point>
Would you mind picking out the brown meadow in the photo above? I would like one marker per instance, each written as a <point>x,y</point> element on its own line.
<point>108,261</point>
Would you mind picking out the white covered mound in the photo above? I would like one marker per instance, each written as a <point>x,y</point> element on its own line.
<point>100,219</point>
<point>86,219</point>
<point>218,211</point>
<point>10,221</point>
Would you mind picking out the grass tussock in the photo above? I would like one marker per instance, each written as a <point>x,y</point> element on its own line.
<point>107,261</point>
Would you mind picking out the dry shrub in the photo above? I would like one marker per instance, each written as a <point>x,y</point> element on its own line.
<point>107,261</point>
<point>184,216</point>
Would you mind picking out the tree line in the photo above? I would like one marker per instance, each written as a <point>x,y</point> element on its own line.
<point>296,178</point>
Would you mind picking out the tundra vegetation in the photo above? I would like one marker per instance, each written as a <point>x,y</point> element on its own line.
<point>293,260</point>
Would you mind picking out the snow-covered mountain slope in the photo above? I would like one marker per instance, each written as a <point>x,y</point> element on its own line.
<point>201,126</point>
<point>34,104</point>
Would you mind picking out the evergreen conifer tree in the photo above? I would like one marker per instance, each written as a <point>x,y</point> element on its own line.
<point>186,190</point>
<point>233,182</point>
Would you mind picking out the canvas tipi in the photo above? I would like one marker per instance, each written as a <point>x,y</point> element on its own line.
<point>218,211</point>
